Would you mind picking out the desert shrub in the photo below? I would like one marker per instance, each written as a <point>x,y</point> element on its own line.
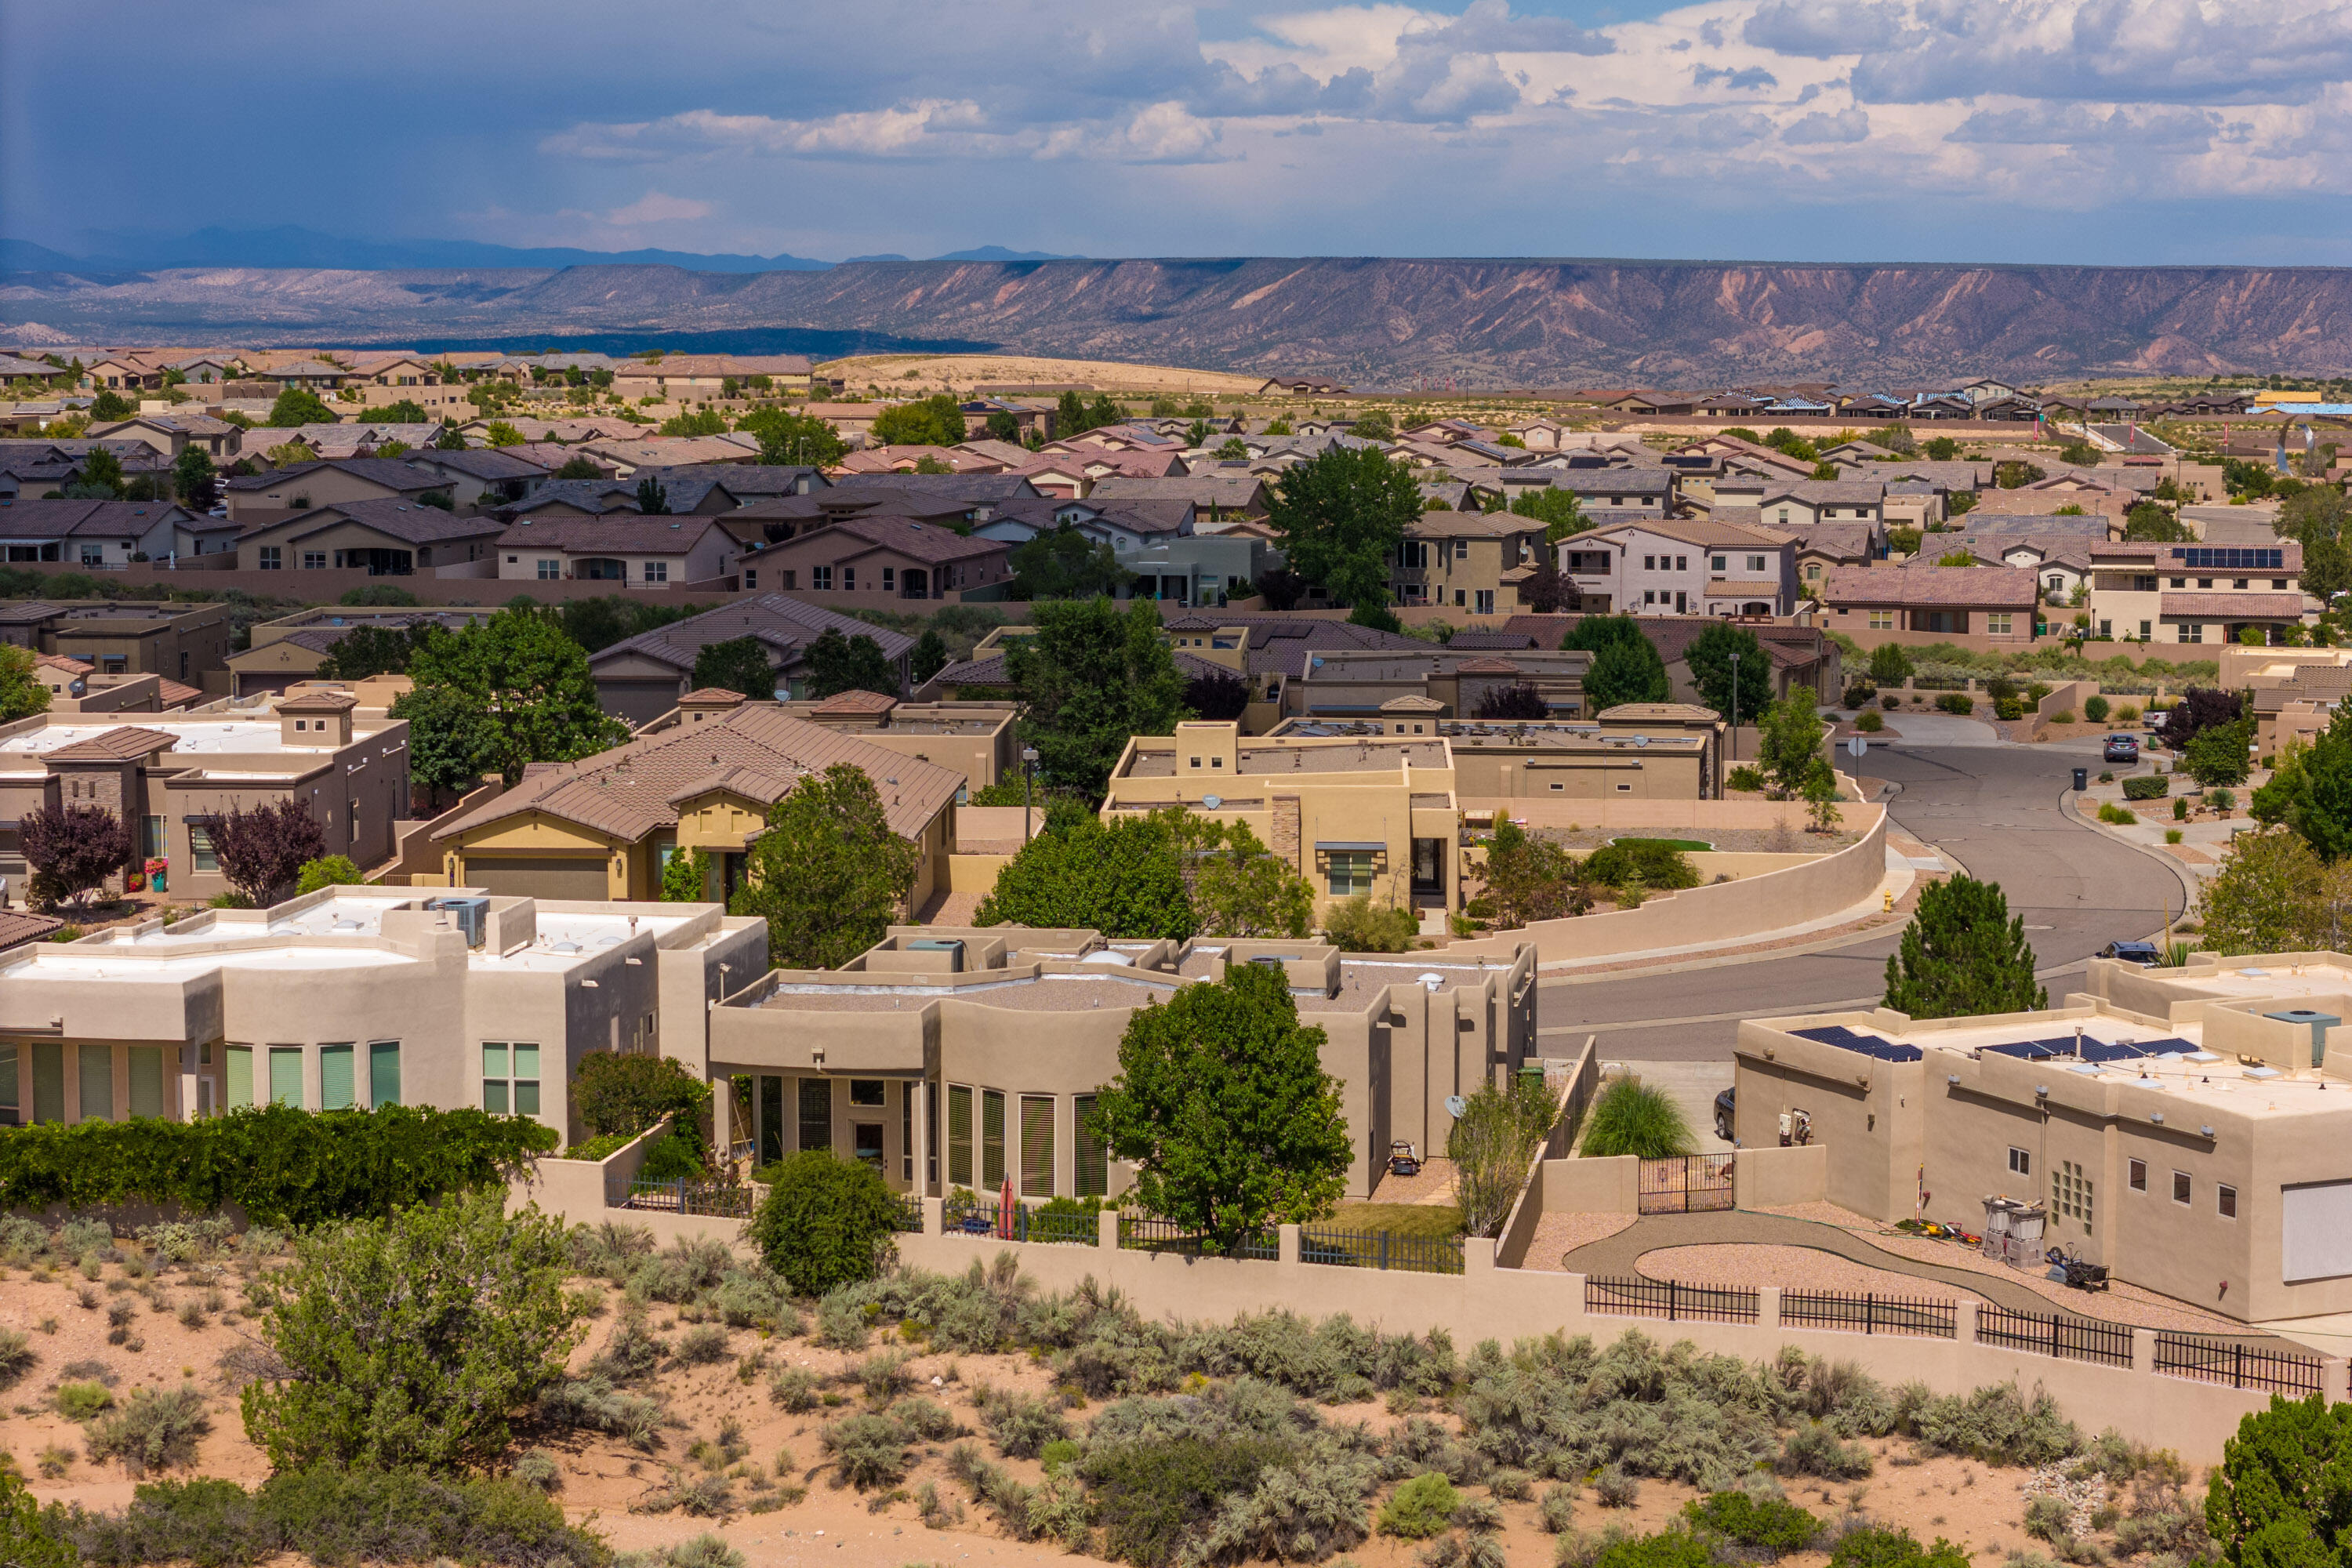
<point>883,1376</point>
<point>1632,1118</point>
<point>704,1551</point>
<point>927,1419</point>
<point>1297,1513</point>
<point>1959,702</point>
<point>608,1251</point>
<point>1478,1515</point>
<point>591,1402</point>
<point>2115,816</point>
<point>1869,722</point>
<point>826,1222</point>
<point>1510,1485</point>
<point>749,1299</point>
<point>83,1401</point>
<point>1150,1496</point>
<point>538,1469</point>
<point>796,1388</point>
<point>156,1431</point>
<point>696,1497</point>
<point>631,1351</point>
<point>1667,1549</point>
<point>1760,1524</point>
<point>1890,702</point>
<point>1745,776</point>
<point>1582,1548</point>
<point>1874,1547</point>
<point>1814,1449</point>
<point>2047,1518</point>
<point>2147,786</point>
<point>1022,1424</point>
<point>687,1271</point>
<point>843,1321</point>
<point>1851,1402</point>
<point>1995,1423</point>
<point>2095,709</point>
<point>869,1450</point>
<point>16,1357</point>
<point>2128,714</point>
<point>1358,925</point>
<point>1613,1488</point>
<point>1421,1508</point>
<point>1655,863</point>
<point>1556,1511</point>
<point>702,1344</point>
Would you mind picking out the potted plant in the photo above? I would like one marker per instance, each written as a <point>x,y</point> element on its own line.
<point>157,865</point>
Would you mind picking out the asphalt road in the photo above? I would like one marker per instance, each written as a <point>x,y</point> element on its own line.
<point>1992,809</point>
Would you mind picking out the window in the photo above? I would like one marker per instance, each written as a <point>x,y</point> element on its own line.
<point>1813,571</point>
<point>1755,563</point>
<point>146,1075</point>
<point>889,579</point>
<point>509,1079</point>
<point>551,571</point>
<point>48,1081</point>
<point>2181,582</point>
<point>958,1136</point>
<point>2225,1202</point>
<point>2237,582</point>
<point>1485,602</point>
<point>96,1067</point>
<point>314,560</point>
<point>1682,562</point>
<point>1649,564</point>
<point>991,1138</point>
<point>384,1073</point>
<point>849,579</point>
<point>867,1091</point>
<point>785,579</point>
<point>1882,620</point>
<point>820,578</point>
<point>1094,1160</point>
<point>2204,581</point>
<point>335,1085</point>
<point>240,1075</point>
<point>2181,1193</point>
<point>816,1113</point>
<point>750,579</point>
<point>8,1109</point>
<point>2136,1173</point>
<point>2190,631</point>
<point>656,571</point>
<point>93,554</point>
<point>2070,1193</point>
<point>286,1075</point>
<point>1037,1145</point>
<point>2021,1162</point>
<point>267,559</point>
<point>201,857</point>
<point>906,1132</point>
<point>1351,873</point>
<point>1997,625</point>
<point>2143,627</point>
<point>1719,563</point>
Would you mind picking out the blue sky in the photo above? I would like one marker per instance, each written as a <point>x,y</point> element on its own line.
<point>2051,130</point>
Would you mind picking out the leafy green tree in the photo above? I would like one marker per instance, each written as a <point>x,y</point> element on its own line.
<point>499,433</point>
<point>2148,521</point>
<point>364,651</point>
<point>838,664</point>
<point>327,871</point>
<point>1490,1145</point>
<point>930,658</point>
<point>111,405</point>
<point>936,421</point>
<point>738,665</point>
<point>1560,513</point>
<point>452,742</point>
<point>1963,955</point>
<point>1070,416</point>
<point>1237,887</point>
<point>2017,475</point>
<point>1233,449</point>
<point>532,684</point>
<point>195,479</point>
<point>826,1222</point>
<point>1342,515</point>
<point>413,1342</point>
<point>579,469</point>
<point>1222,1105</point>
<point>2081,454</point>
<point>297,406</point>
<point>450,440</point>
<point>1002,426</point>
<point>1374,424</point>
<point>1940,449</point>
<point>2310,790</point>
<point>2282,1496</point>
<point>1378,617</point>
<point>685,877</point>
<point>709,422</point>
<point>1119,877</point>
<point>1789,741</point>
<point>1090,678</point>
<point>1712,667</point>
<point>828,873</point>
<point>1065,564</point>
<point>402,411</point>
<point>1889,665</point>
<point>621,1094</point>
<point>2262,899</point>
<point>1625,664</point>
<point>1529,877</point>
<point>101,470</point>
<point>2218,754</point>
<point>22,695</point>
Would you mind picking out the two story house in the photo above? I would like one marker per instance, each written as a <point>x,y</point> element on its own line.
<point>1681,567</point>
<point>2197,593</point>
<point>1466,560</point>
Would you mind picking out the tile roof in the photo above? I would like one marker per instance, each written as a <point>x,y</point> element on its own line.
<point>2231,606</point>
<point>1472,525</point>
<point>1699,531</point>
<point>970,489</point>
<point>411,522</point>
<point>1210,488</point>
<point>857,702</point>
<point>318,702</point>
<point>66,519</point>
<point>127,743</point>
<point>1789,647</point>
<point>1997,588</point>
<point>784,624</point>
<point>485,463</point>
<point>626,534</point>
<point>629,792</point>
<point>920,541</point>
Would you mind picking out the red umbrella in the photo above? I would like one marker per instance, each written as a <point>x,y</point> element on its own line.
<point>1004,1209</point>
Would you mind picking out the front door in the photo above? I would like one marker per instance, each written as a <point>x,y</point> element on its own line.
<point>1428,868</point>
<point>866,1141</point>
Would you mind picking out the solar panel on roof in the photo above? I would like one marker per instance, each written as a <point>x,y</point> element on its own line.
<point>1870,1045</point>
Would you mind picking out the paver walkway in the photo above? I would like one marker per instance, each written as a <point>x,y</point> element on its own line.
<point>1614,1255</point>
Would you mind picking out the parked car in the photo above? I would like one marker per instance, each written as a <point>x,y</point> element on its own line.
<point>1726,1105</point>
<point>2123,749</point>
<point>2139,952</point>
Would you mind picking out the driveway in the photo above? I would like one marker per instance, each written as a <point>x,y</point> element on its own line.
<point>1942,730</point>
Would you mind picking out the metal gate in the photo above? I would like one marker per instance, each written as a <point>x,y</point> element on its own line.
<point>1690,1183</point>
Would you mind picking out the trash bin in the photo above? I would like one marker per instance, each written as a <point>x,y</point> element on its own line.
<point>2081,778</point>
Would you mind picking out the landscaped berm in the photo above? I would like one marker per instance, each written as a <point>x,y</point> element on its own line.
<point>459,1383</point>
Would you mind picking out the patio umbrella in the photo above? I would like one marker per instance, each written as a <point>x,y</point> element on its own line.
<point>1004,1209</point>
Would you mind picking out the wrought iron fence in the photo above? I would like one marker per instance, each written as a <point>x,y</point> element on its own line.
<point>2236,1364</point>
<point>709,1200</point>
<point>2050,1335</point>
<point>1868,1314</point>
<point>1668,1298</point>
<point>1684,1183</point>
<point>910,1216</point>
<point>1141,1233</point>
<point>1380,1249</point>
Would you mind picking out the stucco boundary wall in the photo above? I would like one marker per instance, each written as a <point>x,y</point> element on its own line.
<point>1736,912</point>
<point>574,1191</point>
<point>1577,1089</point>
<point>2066,697</point>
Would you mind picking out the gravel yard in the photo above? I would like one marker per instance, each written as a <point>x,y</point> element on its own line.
<point>1557,1234</point>
<point>1791,1268</point>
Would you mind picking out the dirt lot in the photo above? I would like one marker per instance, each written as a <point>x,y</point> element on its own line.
<point>604,1480</point>
<point>895,371</point>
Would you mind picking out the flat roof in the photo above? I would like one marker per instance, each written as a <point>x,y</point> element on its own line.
<point>73,961</point>
<point>222,737</point>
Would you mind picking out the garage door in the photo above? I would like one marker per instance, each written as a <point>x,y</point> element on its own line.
<point>540,876</point>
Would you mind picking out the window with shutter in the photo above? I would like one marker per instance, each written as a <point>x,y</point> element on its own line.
<point>991,1138</point>
<point>958,1136</point>
<point>1037,1145</point>
<point>816,1113</point>
<point>1094,1163</point>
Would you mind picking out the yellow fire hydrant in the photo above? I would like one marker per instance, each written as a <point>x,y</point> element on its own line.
<point>1886,896</point>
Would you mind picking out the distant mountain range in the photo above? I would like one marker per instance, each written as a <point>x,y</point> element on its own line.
<point>1365,319</point>
<point>289,245</point>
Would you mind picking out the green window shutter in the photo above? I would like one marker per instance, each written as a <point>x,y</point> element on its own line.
<point>526,1079</point>
<point>384,1073</point>
<point>240,1075</point>
<point>146,1080</point>
<point>286,1075</point>
<point>1037,1145</point>
<point>8,1078</point>
<point>96,1064</point>
<point>958,1136</point>
<point>816,1113</point>
<point>335,1077</point>
<point>48,1081</point>
<point>991,1138</point>
<point>1094,1165</point>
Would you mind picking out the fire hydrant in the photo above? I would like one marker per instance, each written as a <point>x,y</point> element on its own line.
<point>1886,897</point>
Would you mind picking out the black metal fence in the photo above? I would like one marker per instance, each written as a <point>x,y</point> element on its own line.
<point>2050,1335</point>
<point>1380,1249</point>
<point>1684,1183</point>
<point>709,1200</point>
<point>910,1216</point>
<point>1868,1314</point>
<point>1671,1300</point>
<point>2237,1364</point>
<point>1140,1232</point>
<point>984,1217</point>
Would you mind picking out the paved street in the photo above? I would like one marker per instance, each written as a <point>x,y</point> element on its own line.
<point>1993,810</point>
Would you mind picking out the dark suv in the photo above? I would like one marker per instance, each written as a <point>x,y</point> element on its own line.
<point>2123,749</point>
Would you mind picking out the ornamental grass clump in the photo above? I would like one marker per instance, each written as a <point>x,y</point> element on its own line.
<point>1632,1118</point>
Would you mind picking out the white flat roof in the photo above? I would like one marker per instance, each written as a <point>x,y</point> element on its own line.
<point>227,737</point>
<point>566,937</point>
<point>115,963</point>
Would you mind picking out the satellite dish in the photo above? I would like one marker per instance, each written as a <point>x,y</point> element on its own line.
<point>1213,801</point>
<point>1455,1104</point>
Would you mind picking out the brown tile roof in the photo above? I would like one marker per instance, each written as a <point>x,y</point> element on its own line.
<point>1471,525</point>
<point>125,744</point>
<point>1700,530</point>
<point>177,694</point>
<point>1994,587</point>
<point>626,534</point>
<point>2231,606</point>
<point>857,703</point>
<point>712,697</point>
<point>17,929</point>
<point>320,703</point>
<point>627,792</point>
<point>1486,666</point>
<point>410,523</point>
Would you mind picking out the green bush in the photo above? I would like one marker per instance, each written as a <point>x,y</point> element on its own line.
<point>283,1167</point>
<point>1959,702</point>
<point>2115,816</point>
<point>1658,863</point>
<point>827,1222</point>
<point>1631,1118</point>
<point>1667,1549</point>
<point>2063,716</point>
<point>678,1156</point>
<point>2172,835</point>
<point>413,1340</point>
<point>1421,1508</point>
<point>1358,925</point>
<point>1814,1449</point>
<point>327,871</point>
<point>1153,1495</point>
<point>868,1450</point>
<point>1770,1525</point>
<point>1869,722</point>
<point>156,1431</point>
<point>629,1092</point>
<point>2095,709</point>
<point>2147,786</point>
<point>2179,807</point>
<point>602,1148</point>
<point>332,1516</point>
<point>83,1401</point>
<point>1872,1548</point>
<point>2127,714</point>
<point>1745,776</point>
<point>1891,701</point>
<point>1022,1424</point>
<point>1995,1423</point>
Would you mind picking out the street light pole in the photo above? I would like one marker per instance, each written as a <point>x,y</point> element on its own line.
<point>1735,706</point>
<point>1028,775</point>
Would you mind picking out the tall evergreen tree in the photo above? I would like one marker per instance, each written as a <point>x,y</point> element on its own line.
<point>1963,955</point>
